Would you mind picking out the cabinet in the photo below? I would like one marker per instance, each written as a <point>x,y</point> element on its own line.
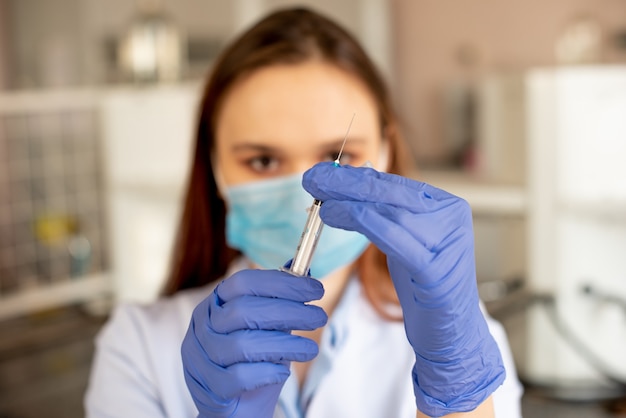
<point>577,220</point>
<point>106,165</point>
<point>52,236</point>
<point>148,136</point>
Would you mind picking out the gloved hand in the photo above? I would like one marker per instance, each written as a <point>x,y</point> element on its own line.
<point>237,349</point>
<point>426,234</point>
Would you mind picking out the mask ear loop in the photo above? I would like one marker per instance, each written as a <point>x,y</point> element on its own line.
<point>383,158</point>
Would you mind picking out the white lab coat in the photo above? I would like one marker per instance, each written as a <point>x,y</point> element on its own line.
<point>363,369</point>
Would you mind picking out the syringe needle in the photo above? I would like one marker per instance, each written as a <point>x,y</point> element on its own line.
<point>343,144</point>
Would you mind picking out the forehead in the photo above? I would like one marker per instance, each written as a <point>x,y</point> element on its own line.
<point>314,100</point>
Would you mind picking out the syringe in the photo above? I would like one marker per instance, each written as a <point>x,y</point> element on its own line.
<point>312,229</point>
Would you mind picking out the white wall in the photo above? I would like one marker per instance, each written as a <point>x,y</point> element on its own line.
<point>45,43</point>
<point>368,20</point>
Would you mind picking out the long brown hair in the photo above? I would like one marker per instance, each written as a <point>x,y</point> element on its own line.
<point>201,254</point>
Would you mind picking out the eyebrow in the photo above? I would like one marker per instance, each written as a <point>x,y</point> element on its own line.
<point>254,147</point>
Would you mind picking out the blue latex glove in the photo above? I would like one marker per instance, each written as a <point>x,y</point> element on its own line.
<point>237,349</point>
<point>427,236</point>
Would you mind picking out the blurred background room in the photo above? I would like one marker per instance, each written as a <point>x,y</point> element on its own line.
<point>518,106</point>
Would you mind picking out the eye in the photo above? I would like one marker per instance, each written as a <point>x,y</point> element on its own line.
<point>331,156</point>
<point>263,163</point>
<point>346,157</point>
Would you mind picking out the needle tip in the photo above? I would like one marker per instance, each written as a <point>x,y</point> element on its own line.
<point>336,162</point>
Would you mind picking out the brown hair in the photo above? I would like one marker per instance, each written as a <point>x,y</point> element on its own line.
<point>201,254</point>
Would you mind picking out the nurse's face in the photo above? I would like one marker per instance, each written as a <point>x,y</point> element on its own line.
<point>283,119</point>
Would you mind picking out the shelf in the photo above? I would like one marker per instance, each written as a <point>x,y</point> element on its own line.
<point>609,211</point>
<point>484,197</point>
<point>50,296</point>
<point>42,101</point>
<point>488,198</point>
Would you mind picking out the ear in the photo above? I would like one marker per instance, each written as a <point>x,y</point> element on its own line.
<point>219,180</point>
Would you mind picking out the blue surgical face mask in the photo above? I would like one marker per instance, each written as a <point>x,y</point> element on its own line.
<point>265,220</point>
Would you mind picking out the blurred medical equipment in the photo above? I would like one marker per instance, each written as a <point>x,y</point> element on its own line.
<point>581,42</point>
<point>312,229</point>
<point>152,50</point>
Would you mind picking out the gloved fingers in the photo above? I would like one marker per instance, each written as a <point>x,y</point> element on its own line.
<point>230,382</point>
<point>417,244</point>
<point>208,402</point>
<point>434,291</point>
<point>430,230</point>
<point>259,403</point>
<point>250,388</point>
<point>264,313</point>
<point>391,237</point>
<point>256,346</point>
<point>324,181</point>
<point>216,390</point>
<point>270,283</point>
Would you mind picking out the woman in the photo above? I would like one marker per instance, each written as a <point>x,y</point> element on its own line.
<point>236,336</point>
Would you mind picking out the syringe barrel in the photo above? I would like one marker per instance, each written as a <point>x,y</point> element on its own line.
<point>308,241</point>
